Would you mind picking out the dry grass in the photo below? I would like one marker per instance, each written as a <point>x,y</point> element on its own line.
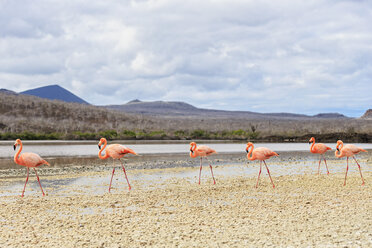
<point>20,113</point>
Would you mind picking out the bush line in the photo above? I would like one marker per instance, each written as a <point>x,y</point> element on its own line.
<point>187,135</point>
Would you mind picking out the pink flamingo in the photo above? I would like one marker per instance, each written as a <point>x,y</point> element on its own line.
<point>30,160</point>
<point>348,151</point>
<point>202,151</point>
<point>260,153</point>
<point>319,148</point>
<point>115,151</point>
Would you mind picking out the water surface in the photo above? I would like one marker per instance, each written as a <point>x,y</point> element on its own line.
<point>90,148</point>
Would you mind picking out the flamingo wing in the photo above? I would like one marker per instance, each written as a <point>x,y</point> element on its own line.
<point>263,153</point>
<point>320,148</point>
<point>205,150</point>
<point>118,151</point>
<point>352,149</point>
<point>31,159</point>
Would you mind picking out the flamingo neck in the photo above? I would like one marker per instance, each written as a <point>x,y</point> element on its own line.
<point>339,155</point>
<point>192,152</point>
<point>250,155</point>
<point>100,151</point>
<point>16,156</point>
<point>312,146</point>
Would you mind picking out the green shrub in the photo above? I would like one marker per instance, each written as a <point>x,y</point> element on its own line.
<point>109,134</point>
<point>129,133</point>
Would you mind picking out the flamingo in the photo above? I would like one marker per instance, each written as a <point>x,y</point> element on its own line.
<point>348,150</point>
<point>202,151</point>
<point>115,151</point>
<point>319,148</point>
<point>30,160</point>
<point>260,153</point>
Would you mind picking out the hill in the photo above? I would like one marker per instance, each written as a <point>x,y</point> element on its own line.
<point>182,109</point>
<point>54,92</point>
<point>29,117</point>
<point>367,115</point>
<point>330,115</point>
<point>7,91</point>
<point>156,108</point>
<point>24,113</point>
<point>169,108</point>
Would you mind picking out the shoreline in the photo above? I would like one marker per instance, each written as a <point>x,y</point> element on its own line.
<point>66,165</point>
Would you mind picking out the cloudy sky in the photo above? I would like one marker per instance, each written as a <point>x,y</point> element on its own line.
<point>265,56</point>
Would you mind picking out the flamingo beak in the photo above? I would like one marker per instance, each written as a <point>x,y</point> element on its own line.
<point>246,150</point>
<point>191,151</point>
<point>309,142</point>
<point>14,146</point>
<point>338,149</point>
<point>99,147</point>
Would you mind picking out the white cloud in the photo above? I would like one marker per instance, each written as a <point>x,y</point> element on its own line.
<point>240,55</point>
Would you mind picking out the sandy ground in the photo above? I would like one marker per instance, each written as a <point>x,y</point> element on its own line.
<point>167,208</point>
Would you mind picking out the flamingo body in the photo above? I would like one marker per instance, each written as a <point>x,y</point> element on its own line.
<point>202,151</point>
<point>114,151</point>
<point>347,151</point>
<point>261,154</point>
<point>29,160</point>
<point>117,151</point>
<point>319,148</point>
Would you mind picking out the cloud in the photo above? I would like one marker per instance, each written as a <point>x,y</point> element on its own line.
<point>264,56</point>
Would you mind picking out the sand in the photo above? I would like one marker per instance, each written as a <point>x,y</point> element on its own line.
<point>163,210</point>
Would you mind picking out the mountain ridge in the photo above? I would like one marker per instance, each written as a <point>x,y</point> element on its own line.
<point>182,109</point>
<point>168,108</point>
<point>54,92</point>
<point>30,117</point>
<point>367,115</point>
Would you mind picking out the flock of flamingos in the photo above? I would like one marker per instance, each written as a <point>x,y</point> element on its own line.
<point>117,151</point>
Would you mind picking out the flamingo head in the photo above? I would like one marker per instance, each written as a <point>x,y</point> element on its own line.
<point>101,141</point>
<point>17,142</point>
<point>312,139</point>
<point>249,144</point>
<point>192,145</point>
<point>339,142</point>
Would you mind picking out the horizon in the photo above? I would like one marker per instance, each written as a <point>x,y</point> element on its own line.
<point>265,57</point>
<point>148,101</point>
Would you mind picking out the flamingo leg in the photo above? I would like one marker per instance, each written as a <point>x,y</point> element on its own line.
<point>200,168</point>
<point>125,174</point>
<point>269,173</point>
<point>326,166</point>
<point>360,171</point>
<point>347,168</point>
<point>320,159</point>
<point>113,172</point>
<point>39,182</point>
<point>23,192</point>
<point>210,166</point>
<point>259,173</point>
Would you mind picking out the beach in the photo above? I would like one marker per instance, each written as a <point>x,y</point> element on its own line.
<point>167,208</point>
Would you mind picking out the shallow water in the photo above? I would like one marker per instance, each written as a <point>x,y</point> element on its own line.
<point>86,149</point>
<point>97,184</point>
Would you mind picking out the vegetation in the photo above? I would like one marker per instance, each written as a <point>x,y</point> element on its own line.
<point>33,118</point>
